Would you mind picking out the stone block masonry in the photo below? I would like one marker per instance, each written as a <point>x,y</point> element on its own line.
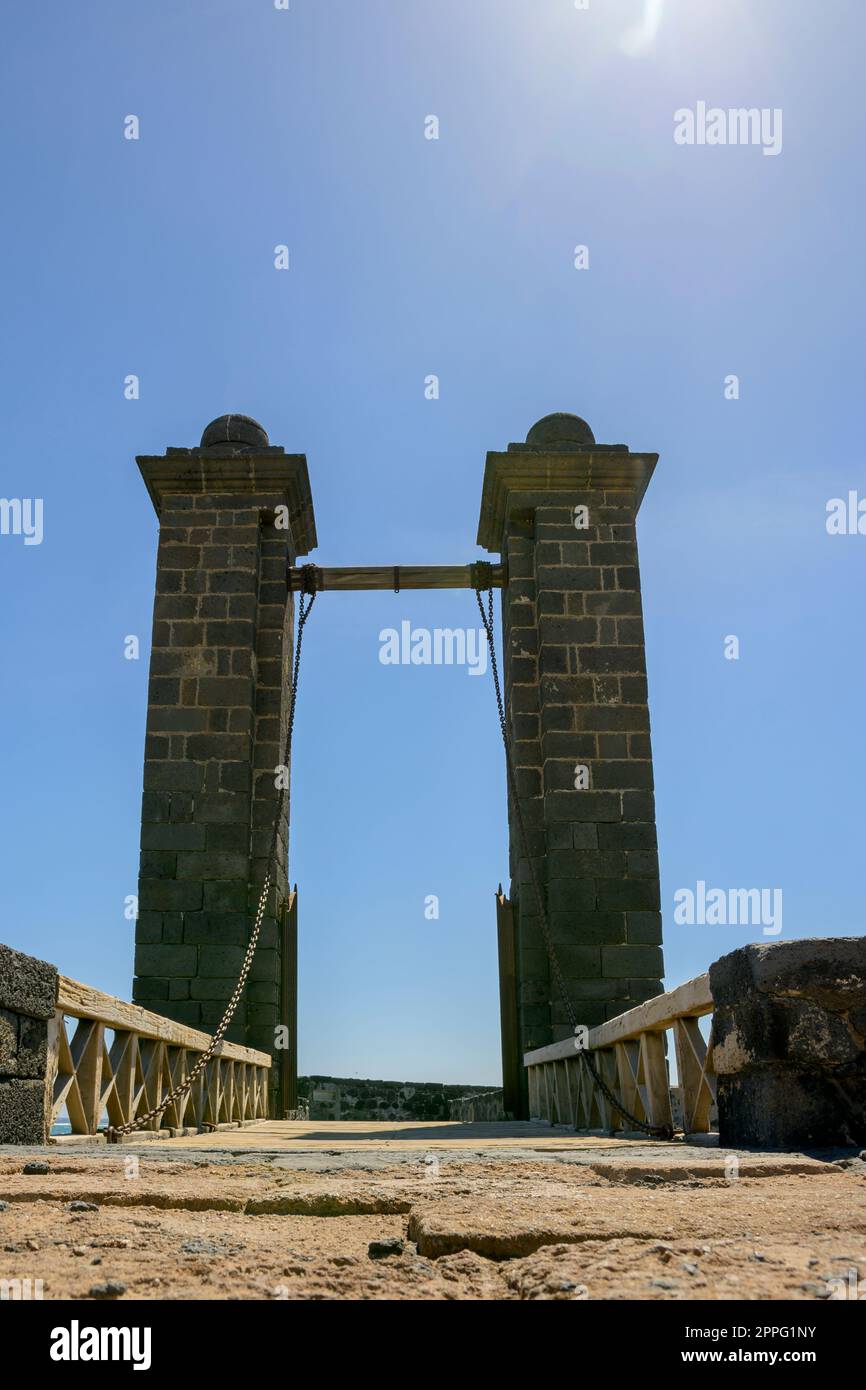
<point>789,1032</point>
<point>28,993</point>
<point>349,1098</point>
<point>216,725</point>
<point>561,511</point>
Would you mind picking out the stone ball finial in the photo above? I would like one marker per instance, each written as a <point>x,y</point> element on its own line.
<point>241,431</point>
<point>559,430</point>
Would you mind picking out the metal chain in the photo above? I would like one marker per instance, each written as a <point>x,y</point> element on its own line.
<point>657,1131</point>
<point>113,1132</point>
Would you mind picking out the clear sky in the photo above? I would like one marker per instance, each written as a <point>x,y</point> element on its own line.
<point>455,257</point>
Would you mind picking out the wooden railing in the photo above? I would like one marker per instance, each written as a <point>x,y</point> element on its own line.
<point>629,1052</point>
<point>146,1058</point>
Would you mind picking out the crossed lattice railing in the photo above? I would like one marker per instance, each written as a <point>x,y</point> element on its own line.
<point>631,1056</point>
<point>121,1061</point>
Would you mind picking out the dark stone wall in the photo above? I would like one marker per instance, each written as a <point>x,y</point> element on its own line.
<point>348,1098</point>
<point>575,674</point>
<point>789,1031</point>
<point>216,721</point>
<point>28,993</point>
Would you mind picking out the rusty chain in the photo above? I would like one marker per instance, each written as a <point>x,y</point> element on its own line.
<point>657,1131</point>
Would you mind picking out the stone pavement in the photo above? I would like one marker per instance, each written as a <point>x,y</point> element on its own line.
<point>430,1211</point>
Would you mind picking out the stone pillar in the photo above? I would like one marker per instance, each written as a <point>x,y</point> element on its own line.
<point>575,677</point>
<point>233,513</point>
<point>28,995</point>
<point>789,1043</point>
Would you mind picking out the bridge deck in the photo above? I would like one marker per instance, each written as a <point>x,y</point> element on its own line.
<point>465,1211</point>
<point>403,1136</point>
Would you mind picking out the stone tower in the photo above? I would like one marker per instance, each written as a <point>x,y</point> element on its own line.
<point>560,510</point>
<point>233,513</point>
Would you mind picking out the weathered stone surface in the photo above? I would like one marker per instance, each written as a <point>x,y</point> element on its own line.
<point>28,992</point>
<point>217,712</point>
<point>575,682</point>
<point>8,1043</point>
<point>23,1046</point>
<point>703,1236</point>
<point>348,1098</point>
<point>488,1105</point>
<point>234,429</point>
<point>790,1043</point>
<point>560,430</point>
<point>22,1112</point>
<point>27,986</point>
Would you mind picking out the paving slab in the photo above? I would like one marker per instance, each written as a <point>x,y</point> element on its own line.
<point>304,1211</point>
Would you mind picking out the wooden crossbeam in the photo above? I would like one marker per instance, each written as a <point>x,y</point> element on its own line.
<point>398,577</point>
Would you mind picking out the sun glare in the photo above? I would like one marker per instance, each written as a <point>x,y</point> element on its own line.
<point>640,37</point>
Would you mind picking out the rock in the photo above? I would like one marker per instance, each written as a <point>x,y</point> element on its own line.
<point>669,1284</point>
<point>22,1112</point>
<point>27,986</point>
<point>326,1204</point>
<point>790,1050</point>
<point>82,1206</point>
<point>384,1249</point>
<point>199,1246</point>
<point>23,1048</point>
<point>97,1260</point>
<point>32,1244</point>
<point>4,1206</point>
<point>37,1168</point>
<point>662,1251</point>
<point>79,1250</point>
<point>111,1289</point>
<point>28,992</point>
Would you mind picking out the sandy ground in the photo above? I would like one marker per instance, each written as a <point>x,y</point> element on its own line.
<point>498,1220</point>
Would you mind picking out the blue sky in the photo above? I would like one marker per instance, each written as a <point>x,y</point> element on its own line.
<point>452,257</point>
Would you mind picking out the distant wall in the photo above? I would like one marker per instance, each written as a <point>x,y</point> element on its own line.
<point>488,1105</point>
<point>348,1098</point>
<point>28,991</point>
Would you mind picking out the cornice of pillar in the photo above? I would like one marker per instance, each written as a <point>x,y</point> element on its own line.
<point>269,471</point>
<point>525,472</point>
